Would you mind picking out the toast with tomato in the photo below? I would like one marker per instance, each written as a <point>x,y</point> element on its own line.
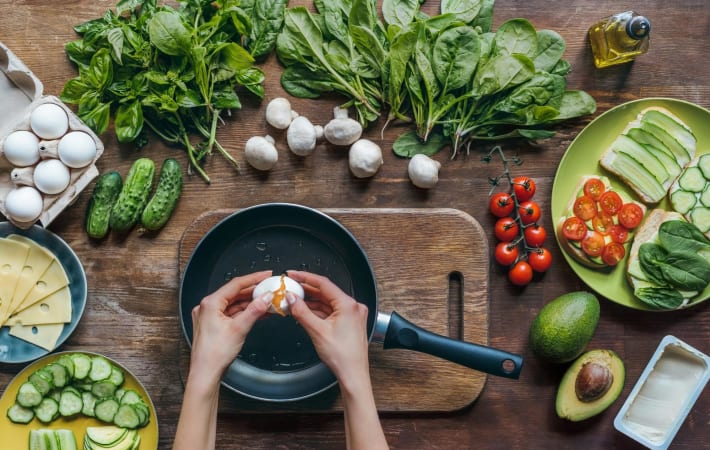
<point>598,224</point>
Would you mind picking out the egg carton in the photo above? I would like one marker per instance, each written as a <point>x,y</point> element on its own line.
<point>22,93</point>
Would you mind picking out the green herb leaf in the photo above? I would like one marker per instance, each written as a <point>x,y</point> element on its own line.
<point>660,298</point>
<point>409,144</point>
<point>168,33</point>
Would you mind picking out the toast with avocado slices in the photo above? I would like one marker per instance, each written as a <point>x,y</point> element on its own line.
<point>598,223</point>
<point>650,153</point>
<point>669,261</point>
<point>690,193</point>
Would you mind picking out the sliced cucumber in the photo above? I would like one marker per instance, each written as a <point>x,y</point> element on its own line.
<point>60,375</point>
<point>103,389</point>
<point>106,436</point>
<point>669,162</point>
<point>692,179</point>
<point>100,368</point>
<point>127,417</point>
<point>88,401</point>
<point>704,164</point>
<point>701,218</point>
<point>705,196</point>
<point>82,365</point>
<point>68,364</point>
<point>679,131</point>
<point>683,201</point>
<point>47,410</point>
<point>644,137</point>
<point>70,402</point>
<point>19,414</point>
<point>105,409</point>
<point>647,159</point>
<point>116,377</point>
<point>43,380</point>
<point>680,153</point>
<point>46,439</point>
<point>28,395</point>
<point>638,176</point>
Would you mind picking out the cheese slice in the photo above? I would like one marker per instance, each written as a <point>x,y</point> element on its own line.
<point>13,255</point>
<point>38,260</point>
<point>53,279</point>
<point>45,336</point>
<point>55,308</point>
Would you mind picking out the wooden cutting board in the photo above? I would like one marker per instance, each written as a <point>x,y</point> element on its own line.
<point>431,267</point>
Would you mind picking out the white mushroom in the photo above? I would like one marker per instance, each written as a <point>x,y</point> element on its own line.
<point>365,158</point>
<point>261,152</point>
<point>279,113</point>
<point>301,136</point>
<point>423,171</point>
<point>342,130</point>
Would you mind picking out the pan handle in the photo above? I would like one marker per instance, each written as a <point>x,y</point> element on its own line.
<point>403,334</point>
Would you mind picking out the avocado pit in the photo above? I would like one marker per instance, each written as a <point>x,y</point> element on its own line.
<point>593,381</point>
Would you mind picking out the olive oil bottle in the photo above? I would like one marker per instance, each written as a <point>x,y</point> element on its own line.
<point>619,38</point>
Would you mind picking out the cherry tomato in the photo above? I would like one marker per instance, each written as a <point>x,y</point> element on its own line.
<point>574,228</point>
<point>594,187</point>
<point>630,215</point>
<point>602,222</point>
<point>529,212</point>
<point>619,234</point>
<point>593,243</point>
<point>506,229</point>
<point>610,202</point>
<point>613,253</point>
<point>585,207</point>
<point>535,235</point>
<point>506,253</point>
<point>524,188</point>
<point>520,274</point>
<point>540,259</point>
<point>501,204</point>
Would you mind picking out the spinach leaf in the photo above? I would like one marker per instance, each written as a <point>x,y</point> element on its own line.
<point>651,257</point>
<point>455,57</point>
<point>681,235</point>
<point>409,144</point>
<point>484,19</point>
<point>575,104</point>
<point>686,271</point>
<point>660,298</point>
<point>550,48</point>
<point>465,10</point>
<point>516,36</point>
<point>502,72</point>
<point>267,18</point>
<point>400,12</point>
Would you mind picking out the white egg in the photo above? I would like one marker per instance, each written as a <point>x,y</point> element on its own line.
<point>273,284</point>
<point>76,149</point>
<point>21,148</point>
<point>49,121</point>
<point>51,176</point>
<point>24,204</point>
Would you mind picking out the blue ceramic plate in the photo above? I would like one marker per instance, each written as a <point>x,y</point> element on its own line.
<point>13,350</point>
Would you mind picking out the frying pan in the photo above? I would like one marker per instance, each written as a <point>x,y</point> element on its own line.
<point>278,362</point>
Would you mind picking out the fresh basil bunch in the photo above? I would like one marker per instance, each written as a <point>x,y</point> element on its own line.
<point>450,75</point>
<point>174,70</point>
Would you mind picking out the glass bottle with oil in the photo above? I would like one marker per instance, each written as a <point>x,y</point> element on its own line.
<point>619,38</point>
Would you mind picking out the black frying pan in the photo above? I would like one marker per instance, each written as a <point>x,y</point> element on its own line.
<point>278,361</point>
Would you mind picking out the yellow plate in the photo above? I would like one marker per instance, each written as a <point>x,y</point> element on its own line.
<point>16,436</point>
<point>582,158</point>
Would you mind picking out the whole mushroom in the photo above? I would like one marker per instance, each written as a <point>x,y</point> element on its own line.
<point>301,136</point>
<point>342,130</point>
<point>423,171</point>
<point>261,152</point>
<point>365,158</point>
<point>279,113</point>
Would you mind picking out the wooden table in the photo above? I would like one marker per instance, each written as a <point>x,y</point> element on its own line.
<point>132,310</point>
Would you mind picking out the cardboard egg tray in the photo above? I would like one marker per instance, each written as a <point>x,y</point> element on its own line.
<point>21,92</point>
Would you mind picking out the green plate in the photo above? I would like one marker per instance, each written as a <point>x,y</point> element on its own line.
<point>582,158</point>
<point>16,436</point>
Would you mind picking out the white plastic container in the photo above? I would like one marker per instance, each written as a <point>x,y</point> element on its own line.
<point>21,94</point>
<point>664,394</point>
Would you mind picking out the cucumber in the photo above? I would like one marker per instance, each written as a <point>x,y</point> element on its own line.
<point>683,201</point>
<point>70,402</point>
<point>126,417</point>
<point>60,375</point>
<point>100,369</point>
<point>133,197</point>
<point>680,153</point>
<point>46,439</point>
<point>704,164</point>
<point>701,218</point>
<point>104,196</point>
<point>82,365</point>
<point>105,409</point>
<point>638,176</point>
<point>692,179</point>
<point>103,389</point>
<point>647,159</point>
<point>161,205</point>
<point>19,414</point>
<point>43,380</point>
<point>678,130</point>
<point>47,410</point>
<point>88,401</point>
<point>28,395</point>
<point>705,196</point>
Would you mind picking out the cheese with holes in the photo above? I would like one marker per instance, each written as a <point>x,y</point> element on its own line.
<point>45,336</point>
<point>53,279</point>
<point>55,308</point>
<point>38,260</point>
<point>13,255</point>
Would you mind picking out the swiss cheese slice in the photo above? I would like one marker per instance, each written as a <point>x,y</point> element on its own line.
<point>55,308</point>
<point>53,279</point>
<point>13,255</point>
<point>45,336</point>
<point>38,260</point>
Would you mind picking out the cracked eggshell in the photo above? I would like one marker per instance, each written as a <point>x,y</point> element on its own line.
<point>273,284</point>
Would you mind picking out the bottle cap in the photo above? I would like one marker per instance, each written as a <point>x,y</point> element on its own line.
<point>638,27</point>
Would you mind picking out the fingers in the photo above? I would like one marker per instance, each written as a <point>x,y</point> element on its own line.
<point>318,286</point>
<point>302,313</point>
<point>253,311</point>
<point>239,287</point>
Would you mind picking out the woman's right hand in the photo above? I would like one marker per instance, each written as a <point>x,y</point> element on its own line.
<point>336,323</point>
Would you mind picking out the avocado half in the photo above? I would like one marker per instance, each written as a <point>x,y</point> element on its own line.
<point>590,385</point>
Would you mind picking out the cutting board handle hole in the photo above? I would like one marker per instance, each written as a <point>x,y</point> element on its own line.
<point>455,305</point>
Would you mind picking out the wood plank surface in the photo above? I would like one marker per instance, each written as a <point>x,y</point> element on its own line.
<point>436,282</point>
<point>132,309</point>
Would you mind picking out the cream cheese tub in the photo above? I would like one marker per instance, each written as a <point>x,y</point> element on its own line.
<point>664,394</point>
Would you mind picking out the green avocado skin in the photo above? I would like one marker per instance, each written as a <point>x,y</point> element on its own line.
<point>564,327</point>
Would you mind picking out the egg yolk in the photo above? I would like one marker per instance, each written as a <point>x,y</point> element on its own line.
<point>279,294</point>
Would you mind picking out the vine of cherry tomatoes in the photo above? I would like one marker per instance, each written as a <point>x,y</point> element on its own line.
<point>520,237</point>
